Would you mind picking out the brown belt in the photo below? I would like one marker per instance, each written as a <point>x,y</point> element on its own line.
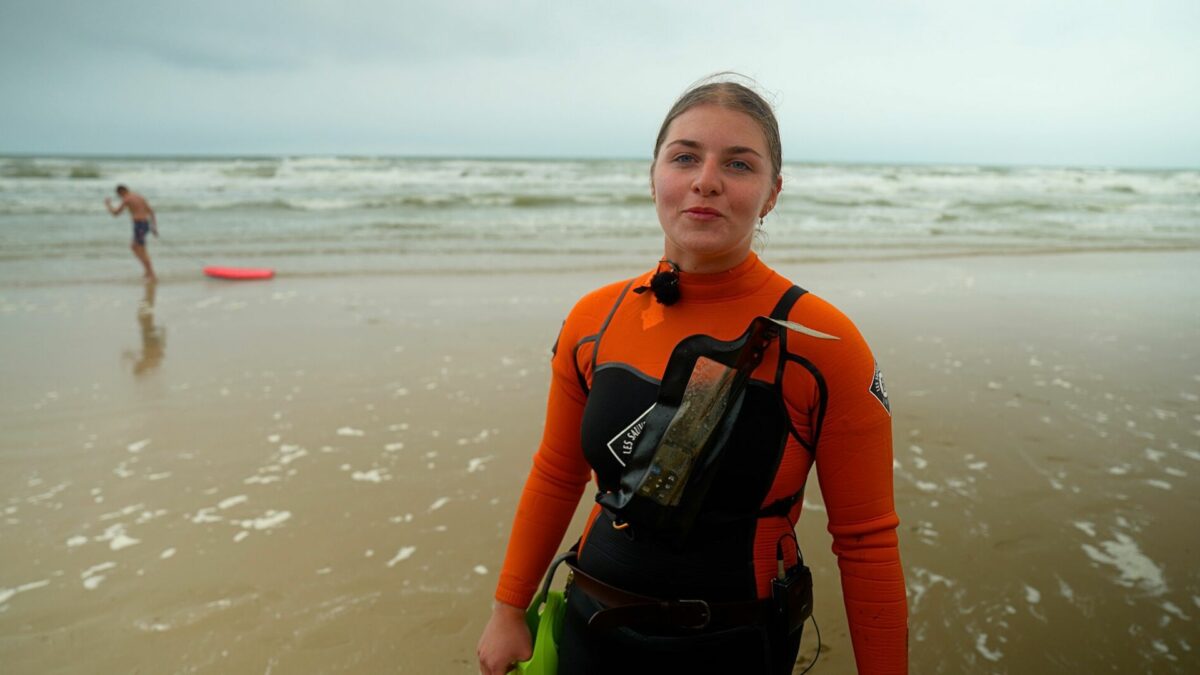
<point>623,608</point>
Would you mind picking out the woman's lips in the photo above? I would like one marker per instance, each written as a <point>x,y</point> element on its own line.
<point>701,213</point>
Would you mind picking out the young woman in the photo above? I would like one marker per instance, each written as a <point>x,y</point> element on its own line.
<point>717,590</point>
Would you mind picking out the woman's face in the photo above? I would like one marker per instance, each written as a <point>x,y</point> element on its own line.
<point>711,183</point>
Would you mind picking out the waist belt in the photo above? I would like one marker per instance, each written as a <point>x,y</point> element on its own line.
<point>624,608</point>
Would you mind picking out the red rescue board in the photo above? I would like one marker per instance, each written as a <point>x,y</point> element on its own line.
<point>239,273</point>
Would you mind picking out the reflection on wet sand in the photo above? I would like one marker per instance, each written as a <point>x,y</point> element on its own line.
<point>154,338</point>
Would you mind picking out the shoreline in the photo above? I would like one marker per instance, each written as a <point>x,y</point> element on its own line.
<point>617,268</point>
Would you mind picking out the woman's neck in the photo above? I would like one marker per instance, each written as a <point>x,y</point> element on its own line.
<point>744,278</point>
<point>707,264</point>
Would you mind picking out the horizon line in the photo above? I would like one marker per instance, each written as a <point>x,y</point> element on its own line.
<point>561,158</point>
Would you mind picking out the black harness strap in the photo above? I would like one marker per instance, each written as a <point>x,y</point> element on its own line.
<point>783,507</point>
<point>782,309</point>
<point>786,302</point>
<point>781,312</point>
<point>780,507</point>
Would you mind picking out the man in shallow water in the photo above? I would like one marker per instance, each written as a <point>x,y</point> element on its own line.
<point>144,221</point>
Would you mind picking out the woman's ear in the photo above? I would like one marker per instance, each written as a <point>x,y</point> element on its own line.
<point>775,190</point>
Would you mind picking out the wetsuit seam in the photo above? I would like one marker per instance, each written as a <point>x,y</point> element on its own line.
<point>629,368</point>
<point>575,359</point>
<point>607,321</point>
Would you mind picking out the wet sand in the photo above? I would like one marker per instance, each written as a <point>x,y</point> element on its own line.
<point>318,475</point>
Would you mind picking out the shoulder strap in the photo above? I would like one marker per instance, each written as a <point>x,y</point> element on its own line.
<point>595,339</point>
<point>783,507</point>
<point>786,302</point>
<point>782,310</point>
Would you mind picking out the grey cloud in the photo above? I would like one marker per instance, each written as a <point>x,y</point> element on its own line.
<point>546,78</point>
<point>226,35</point>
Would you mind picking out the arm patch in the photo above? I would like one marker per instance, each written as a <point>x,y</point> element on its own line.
<point>879,389</point>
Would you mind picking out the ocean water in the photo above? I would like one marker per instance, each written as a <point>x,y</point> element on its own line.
<point>329,216</point>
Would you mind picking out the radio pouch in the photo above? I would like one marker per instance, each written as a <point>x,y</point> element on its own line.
<point>671,466</point>
<point>793,598</point>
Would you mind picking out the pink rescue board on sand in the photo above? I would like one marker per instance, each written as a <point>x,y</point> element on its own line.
<point>239,273</point>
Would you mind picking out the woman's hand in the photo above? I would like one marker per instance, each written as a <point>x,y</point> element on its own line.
<point>505,640</point>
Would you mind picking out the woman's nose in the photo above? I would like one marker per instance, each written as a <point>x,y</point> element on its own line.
<point>708,179</point>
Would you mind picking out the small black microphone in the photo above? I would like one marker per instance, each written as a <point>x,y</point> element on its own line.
<point>665,284</point>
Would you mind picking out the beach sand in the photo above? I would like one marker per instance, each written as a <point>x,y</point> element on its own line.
<point>318,474</point>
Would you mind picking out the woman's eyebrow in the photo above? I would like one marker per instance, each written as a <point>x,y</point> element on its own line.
<point>741,149</point>
<point>731,150</point>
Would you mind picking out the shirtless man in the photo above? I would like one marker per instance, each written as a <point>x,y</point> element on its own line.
<point>143,221</point>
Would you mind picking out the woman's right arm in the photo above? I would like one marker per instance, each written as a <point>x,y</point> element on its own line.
<point>548,501</point>
<point>505,640</point>
<point>551,493</point>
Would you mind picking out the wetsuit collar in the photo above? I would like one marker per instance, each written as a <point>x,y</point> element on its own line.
<point>747,277</point>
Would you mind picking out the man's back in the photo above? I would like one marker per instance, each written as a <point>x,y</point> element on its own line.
<point>139,208</point>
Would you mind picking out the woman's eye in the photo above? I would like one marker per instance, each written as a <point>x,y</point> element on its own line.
<point>739,165</point>
<point>684,159</point>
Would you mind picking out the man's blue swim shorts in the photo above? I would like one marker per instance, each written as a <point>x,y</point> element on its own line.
<point>140,228</point>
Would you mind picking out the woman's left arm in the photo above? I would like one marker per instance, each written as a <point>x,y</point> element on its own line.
<point>854,466</point>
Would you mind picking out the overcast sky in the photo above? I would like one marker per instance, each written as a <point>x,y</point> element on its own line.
<point>1053,82</point>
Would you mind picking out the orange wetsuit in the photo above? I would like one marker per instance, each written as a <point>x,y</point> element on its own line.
<point>809,401</point>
